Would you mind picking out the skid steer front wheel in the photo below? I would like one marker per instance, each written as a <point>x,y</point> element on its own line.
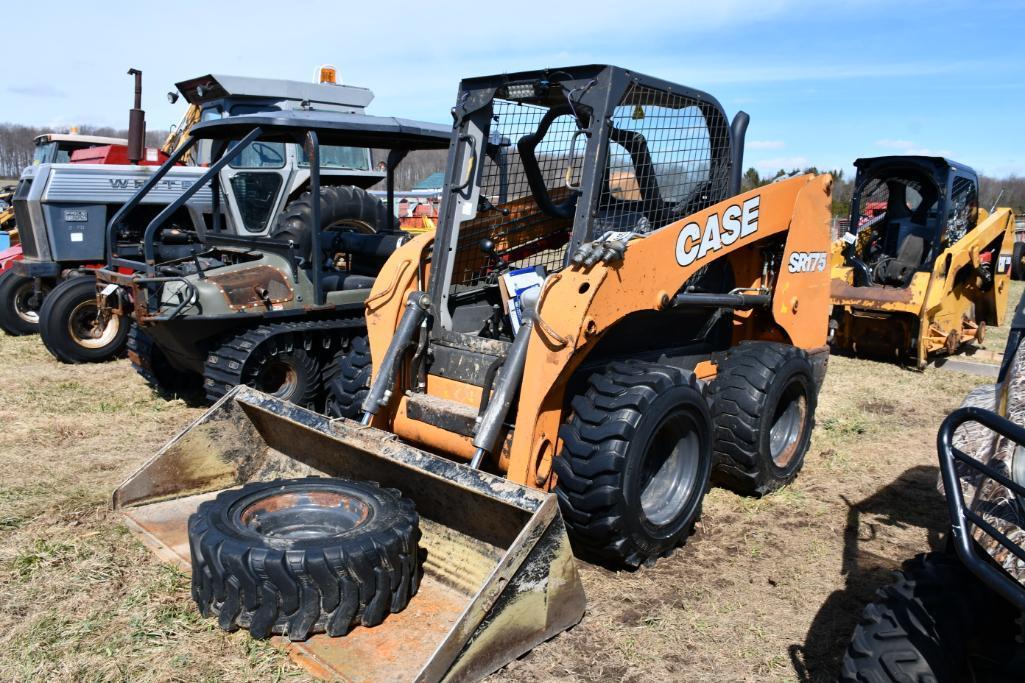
<point>635,463</point>
<point>347,379</point>
<point>70,328</point>
<point>302,556</point>
<point>763,411</point>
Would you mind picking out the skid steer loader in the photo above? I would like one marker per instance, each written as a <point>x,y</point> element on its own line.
<point>599,314</point>
<point>922,269</point>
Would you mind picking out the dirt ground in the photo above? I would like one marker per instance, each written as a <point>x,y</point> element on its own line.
<point>765,590</point>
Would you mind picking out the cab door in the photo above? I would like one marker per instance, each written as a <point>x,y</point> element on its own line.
<point>254,183</point>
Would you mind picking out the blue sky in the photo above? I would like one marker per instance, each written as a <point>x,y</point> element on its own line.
<point>824,82</point>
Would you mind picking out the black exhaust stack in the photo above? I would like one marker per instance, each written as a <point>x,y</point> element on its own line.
<point>136,122</point>
<point>738,129</point>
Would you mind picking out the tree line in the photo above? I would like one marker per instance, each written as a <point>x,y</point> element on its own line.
<point>1009,191</point>
<point>17,146</point>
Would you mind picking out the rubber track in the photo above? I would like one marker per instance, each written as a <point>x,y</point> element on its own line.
<point>918,628</point>
<point>224,365</point>
<point>592,463</point>
<point>296,592</point>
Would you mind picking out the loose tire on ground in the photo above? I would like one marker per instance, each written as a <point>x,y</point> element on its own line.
<point>920,627</point>
<point>1018,261</point>
<point>67,324</point>
<point>17,315</point>
<point>347,379</point>
<point>150,362</point>
<point>303,556</point>
<point>763,411</point>
<point>635,462</point>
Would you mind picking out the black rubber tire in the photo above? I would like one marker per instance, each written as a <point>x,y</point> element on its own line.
<point>12,289</point>
<point>920,627</point>
<point>614,426</point>
<point>347,379</point>
<point>342,205</point>
<point>750,385</point>
<point>55,319</point>
<point>150,362</point>
<point>1018,261</point>
<point>245,358</point>
<point>309,582</point>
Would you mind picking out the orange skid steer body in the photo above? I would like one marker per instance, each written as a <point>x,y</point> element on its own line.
<point>577,306</point>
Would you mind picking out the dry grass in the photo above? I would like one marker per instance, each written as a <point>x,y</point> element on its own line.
<point>765,590</point>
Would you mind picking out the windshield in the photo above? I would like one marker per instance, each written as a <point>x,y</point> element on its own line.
<point>349,158</point>
<point>45,154</point>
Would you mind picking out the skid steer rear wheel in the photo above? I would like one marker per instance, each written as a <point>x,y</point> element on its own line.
<point>19,309</point>
<point>763,412</point>
<point>69,327</point>
<point>303,556</point>
<point>635,462</point>
<point>347,379</point>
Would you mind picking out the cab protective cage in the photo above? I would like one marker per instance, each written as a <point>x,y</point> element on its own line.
<point>490,107</point>
<point>230,137</point>
<point>935,180</point>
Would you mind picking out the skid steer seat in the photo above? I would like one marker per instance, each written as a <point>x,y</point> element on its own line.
<point>898,271</point>
<point>340,281</point>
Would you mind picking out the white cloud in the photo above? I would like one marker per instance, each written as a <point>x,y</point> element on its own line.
<point>786,163</point>
<point>764,144</point>
<point>911,148</point>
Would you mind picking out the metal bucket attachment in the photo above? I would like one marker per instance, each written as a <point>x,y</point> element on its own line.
<point>499,575</point>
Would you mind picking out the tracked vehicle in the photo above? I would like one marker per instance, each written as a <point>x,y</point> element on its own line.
<point>922,269</point>
<point>599,314</point>
<point>270,310</point>
<point>959,614</point>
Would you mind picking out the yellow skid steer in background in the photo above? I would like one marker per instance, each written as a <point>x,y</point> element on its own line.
<point>922,269</point>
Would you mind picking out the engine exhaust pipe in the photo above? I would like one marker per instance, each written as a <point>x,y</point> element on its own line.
<point>136,122</point>
<point>738,130</point>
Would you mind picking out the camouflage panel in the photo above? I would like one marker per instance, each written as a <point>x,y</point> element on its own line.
<point>986,497</point>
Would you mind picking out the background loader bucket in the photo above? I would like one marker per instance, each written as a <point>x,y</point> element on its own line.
<point>499,574</point>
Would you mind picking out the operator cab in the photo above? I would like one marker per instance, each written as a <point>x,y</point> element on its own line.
<point>56,148</point>
<point>562,165</point>
<point>904,212</point>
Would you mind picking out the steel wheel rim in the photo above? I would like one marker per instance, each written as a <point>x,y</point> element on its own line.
<point>788,425</point>
<point>22,308</point>
<point>304,515</point>
<point>278,378</point>
<point>670,470</point>
<point>83,329</point>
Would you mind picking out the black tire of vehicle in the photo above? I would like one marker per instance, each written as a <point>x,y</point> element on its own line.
<point>1018,261</point>
<point>635,462</point>
<point>919,627</point>
<point>150,362</point>
<point>16,317</point>
<point>65,321</point>
<point>342,206</point>
<point>347,379</point>
<point>302,556</point>
<point>763,411</point>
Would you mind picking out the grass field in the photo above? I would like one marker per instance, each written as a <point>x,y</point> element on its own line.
<point>765,590</point>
